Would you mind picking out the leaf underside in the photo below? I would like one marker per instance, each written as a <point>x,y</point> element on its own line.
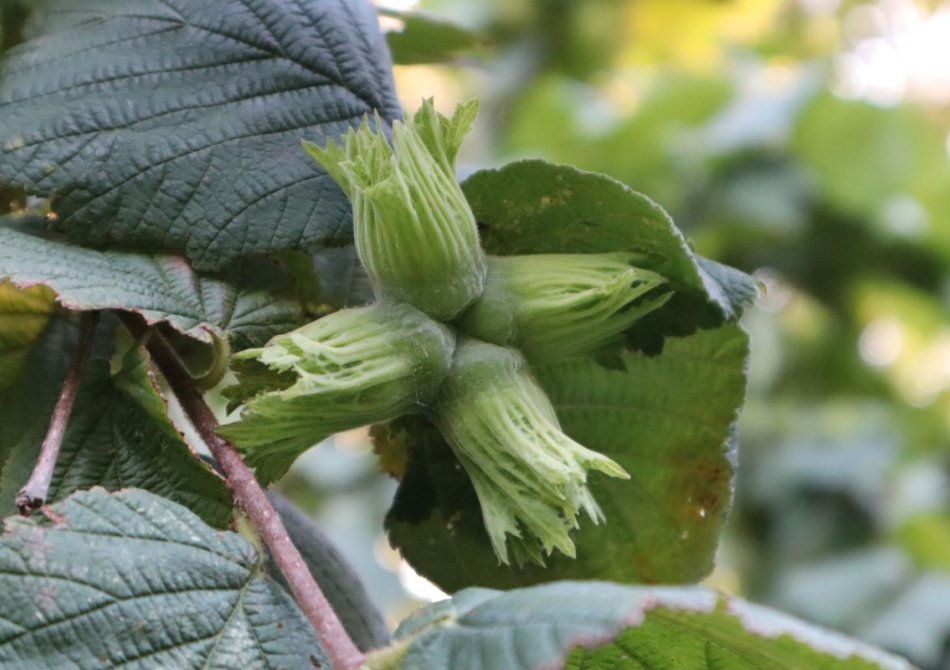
<point>133,580</point>
<point>602,626</point>
<point>176,126</point>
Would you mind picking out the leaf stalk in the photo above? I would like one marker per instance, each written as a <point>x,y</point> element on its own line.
<point>33,495</point>
<point>251,498</point>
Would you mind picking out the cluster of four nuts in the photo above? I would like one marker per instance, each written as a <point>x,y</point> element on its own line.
<point>450,336</point>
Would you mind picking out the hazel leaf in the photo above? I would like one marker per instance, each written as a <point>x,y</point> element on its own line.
<point>246,304</point>
<point>534,207</point>
<point>132,579</point>
<point>667,420</point>
<point>175,126</point>
<point>601,626</point>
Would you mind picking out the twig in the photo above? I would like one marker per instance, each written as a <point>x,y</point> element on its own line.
<point>32,496</point>
<point>250,496</point>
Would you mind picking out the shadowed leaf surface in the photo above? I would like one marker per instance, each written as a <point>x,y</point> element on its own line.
<point>118,435</point>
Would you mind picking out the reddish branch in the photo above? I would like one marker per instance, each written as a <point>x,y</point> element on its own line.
<point>250,497</point>
<point>32,496</point>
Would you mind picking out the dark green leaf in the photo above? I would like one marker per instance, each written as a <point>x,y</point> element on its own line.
<point>13,15</point>
<point>248,303</point>
<point>299,265</point>
<point>665,419</point>
<point>340,584</point>
<point>533,207</point>
<point>427,39</point>
<point>176,125</point>
<point>118,436</point>
<point>131,579</point>
<point>343,281</point>
<point>602,626</point>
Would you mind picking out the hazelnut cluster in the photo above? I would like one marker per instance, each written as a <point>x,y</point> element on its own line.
<point>452,335</point>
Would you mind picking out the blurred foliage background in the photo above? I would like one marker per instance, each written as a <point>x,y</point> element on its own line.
<point>803,141</point>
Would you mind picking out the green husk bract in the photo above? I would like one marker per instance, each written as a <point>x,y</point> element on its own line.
<point>531,478</point>
<point>558,305</point>
<point>414,230</point>
<point>351,368</point>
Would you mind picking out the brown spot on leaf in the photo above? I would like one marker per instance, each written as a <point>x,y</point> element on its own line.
<point>59,521</point>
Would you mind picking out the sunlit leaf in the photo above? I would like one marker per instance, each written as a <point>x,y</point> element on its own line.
<point>23,316</point>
